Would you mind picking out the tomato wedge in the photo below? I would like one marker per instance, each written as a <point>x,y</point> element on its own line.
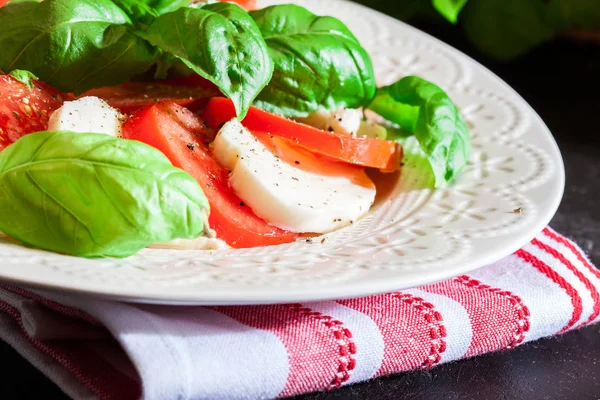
<point>180,135</point>
<point>24,110</point>
<point>132,96</point>
<point>366,152</point>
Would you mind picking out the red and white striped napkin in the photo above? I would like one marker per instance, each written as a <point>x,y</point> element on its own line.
<point>107,350</point>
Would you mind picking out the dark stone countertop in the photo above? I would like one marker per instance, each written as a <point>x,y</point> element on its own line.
<point>562,82</point>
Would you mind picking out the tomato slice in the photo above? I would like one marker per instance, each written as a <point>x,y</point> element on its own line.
<point>132,96</point>
<point>366,152</point>
<point>24,110</point>
<point>180,135</point>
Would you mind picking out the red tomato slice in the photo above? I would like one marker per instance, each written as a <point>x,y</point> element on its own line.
<point>24,110</point>
<point>132,96</point>
<point>179,134</point>
<point>366,152</point>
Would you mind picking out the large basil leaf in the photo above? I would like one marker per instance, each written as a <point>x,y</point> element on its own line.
<point>425,110</point>
<point>319,64</point>
<point>221,43</point>
<point>74,45</point>
<point>95,195</point>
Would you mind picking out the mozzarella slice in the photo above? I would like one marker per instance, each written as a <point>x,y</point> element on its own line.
<point>87,114</point>
<point>344,120</point>
<point>289,197</point>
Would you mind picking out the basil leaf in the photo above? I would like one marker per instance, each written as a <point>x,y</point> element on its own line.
<point>94,195</point>
<point>221,43</point>
<point>319,64</point>
<point>449,8</point>
<point>73,45</point>
<point>146,10</point>
<point>138,11</point>
<point>425,110</point>
<point>24,76</point>
<point>166,6</point>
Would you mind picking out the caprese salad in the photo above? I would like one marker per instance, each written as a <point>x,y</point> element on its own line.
<point>127,124</point>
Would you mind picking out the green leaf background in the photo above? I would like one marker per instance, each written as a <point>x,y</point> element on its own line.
<point>502,29</point>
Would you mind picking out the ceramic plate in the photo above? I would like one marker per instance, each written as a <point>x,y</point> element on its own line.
<point>415,235</point>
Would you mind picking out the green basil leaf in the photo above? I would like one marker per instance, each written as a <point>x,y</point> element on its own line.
<point>319,64</point>
<point>140,12</point>
<point>425,110</point>
<point>24,76</point>
<point>221,43</point>
<point>73,45</point>
<point>146,10</point>
<point>167,6</point>
<point>449,8</point>
<point>94,195</point>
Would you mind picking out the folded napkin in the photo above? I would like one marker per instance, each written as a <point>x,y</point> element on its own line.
<point>109,350</point>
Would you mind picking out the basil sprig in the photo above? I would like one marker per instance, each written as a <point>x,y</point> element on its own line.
<point>94,195</point>
<point>77,45</point>
<point>425,110</point>
<point>298,62</point>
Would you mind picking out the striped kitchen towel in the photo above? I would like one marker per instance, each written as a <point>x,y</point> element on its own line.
<point>109,350</point>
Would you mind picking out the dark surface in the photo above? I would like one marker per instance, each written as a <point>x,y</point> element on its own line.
<point>561,81</point>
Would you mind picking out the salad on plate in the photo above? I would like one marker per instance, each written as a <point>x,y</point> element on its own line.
<point>128,124</point>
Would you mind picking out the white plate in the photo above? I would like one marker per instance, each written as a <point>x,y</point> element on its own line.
<point>508,193</point>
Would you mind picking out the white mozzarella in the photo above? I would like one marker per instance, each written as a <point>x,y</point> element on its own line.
<point>344,120</point>
<point>286,196</point>
<point>87,114</point>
